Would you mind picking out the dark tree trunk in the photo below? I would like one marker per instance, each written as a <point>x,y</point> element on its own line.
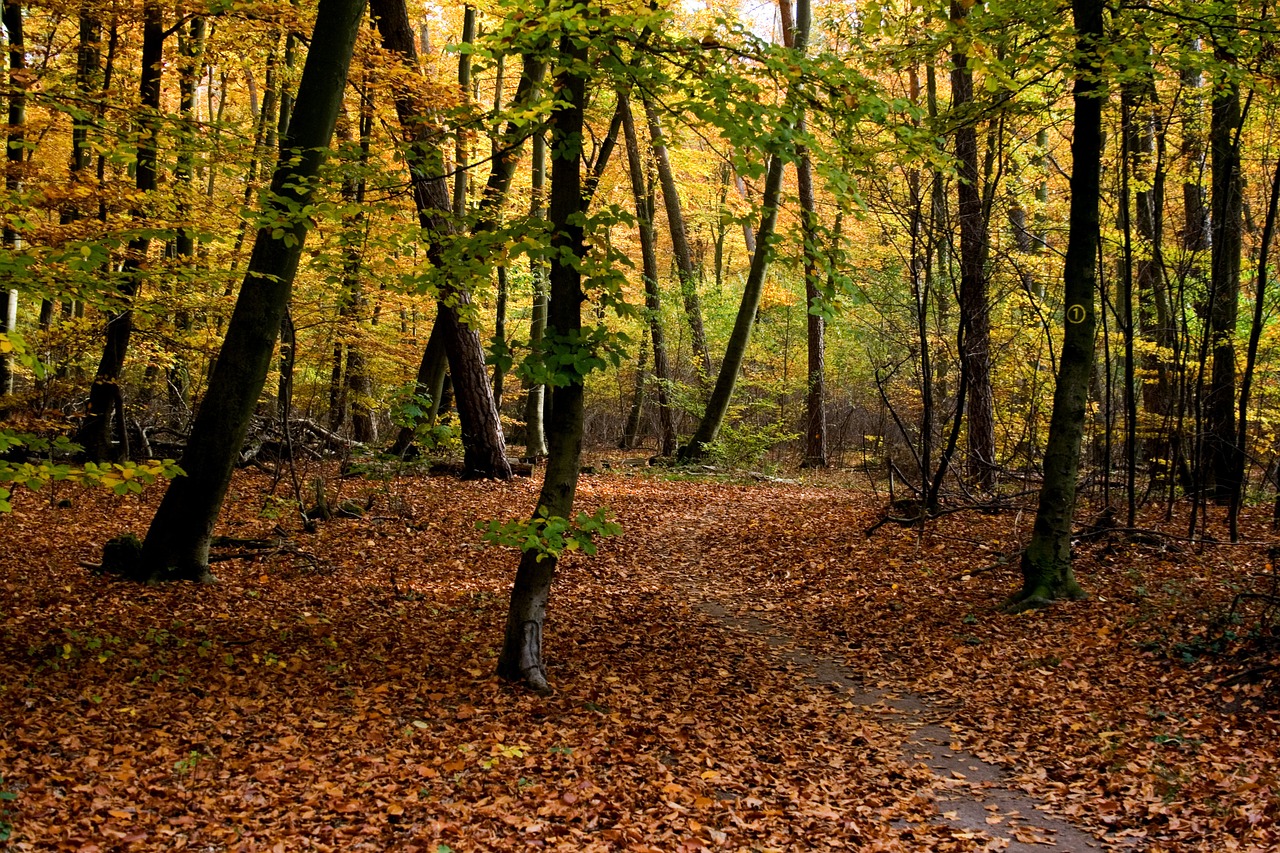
<point>521,658</point>
<point>1224,286</point>
<point>975,316</point>
<point>652,293</point>
<point>740,338</point>
<point>429,384</point>
<point>679,242</point>
<point>1251,357</point>
<point>105,394</point>
<point>1046,565</point>
<point>177,544</point>
<point>484,448</point>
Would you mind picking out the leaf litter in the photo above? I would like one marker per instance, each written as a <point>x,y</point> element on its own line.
<point>348,702</point>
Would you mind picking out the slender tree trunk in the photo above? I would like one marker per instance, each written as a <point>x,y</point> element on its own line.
<point>631,431</point>
<point>460,152</point>
<point>1227,223</point>
<point>679,242</point>
<point>105,394</point>
<point>484,448</point>
<point>795,35</point>
<point>740,338</point>
<point>535,438</point>
<point>649,265</point>
<point>1046,564</point>
<point>14,157</point>
<point>975,314</point>
<point>1251,357</point>
<point>521,658</point>
<point>177,544</point>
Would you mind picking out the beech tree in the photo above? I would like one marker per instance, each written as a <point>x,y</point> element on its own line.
<point>177,543</point>
<point>1046,564</point>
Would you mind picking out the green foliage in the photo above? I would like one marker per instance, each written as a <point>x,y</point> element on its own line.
<point>6,797</point>
<point>120,477</point>
<point>746,443</point>
<point>550,535</point>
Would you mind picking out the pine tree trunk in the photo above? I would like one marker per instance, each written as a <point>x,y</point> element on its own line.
<point>177,544</point>
<point>1046,565</point>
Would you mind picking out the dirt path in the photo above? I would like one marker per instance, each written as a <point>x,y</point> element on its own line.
<point>971,795</point>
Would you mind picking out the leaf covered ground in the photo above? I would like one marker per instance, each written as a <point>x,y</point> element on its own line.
<point>342,697</point>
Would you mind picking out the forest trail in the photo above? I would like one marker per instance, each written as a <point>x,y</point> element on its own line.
<point>739,669</point>
<point>974,798</point>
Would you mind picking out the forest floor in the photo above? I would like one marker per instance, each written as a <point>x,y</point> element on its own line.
<point>741,669</point>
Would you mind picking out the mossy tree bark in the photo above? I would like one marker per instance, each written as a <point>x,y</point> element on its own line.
<point>521,659</point>
<point>535,440</point>
<point>1046,565</point>
<point>177,544</point>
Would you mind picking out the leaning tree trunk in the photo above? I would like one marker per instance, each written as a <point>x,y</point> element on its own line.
<point>521,658</point>
<point>177,545</point>
<point>679,241</point>
<point>652,293</point>
<point>740,338</point>
<point>1046,564</point>
<point>484,447</point>
<point>104,395</point>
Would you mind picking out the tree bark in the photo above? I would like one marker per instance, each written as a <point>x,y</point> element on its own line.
<point>484,447</point>
<point>177,544</point>
<point>1046,564</point>
<point>975,315</point>
<point>1226,200</point>
<point>521,658</point>
<point>679,242</point>
<point>535,440</point>
<point>649,268</point>
<point>105,393</point>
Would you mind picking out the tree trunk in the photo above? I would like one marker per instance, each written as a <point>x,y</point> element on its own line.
<point>13,172</point>
<point>429,384</point>
<point>974,311</point>
<point>649,266</point>
<point>484,448</point>
<point>177,544</point>
<point>105,394</point>
<point>521,657</point>
<point>679,242</point>
<point>1046,564</point>
<point>535,437</point>
<point>1224,286</point>
<point>736,349</point>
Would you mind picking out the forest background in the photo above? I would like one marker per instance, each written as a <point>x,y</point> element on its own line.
<point>980,251</point>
